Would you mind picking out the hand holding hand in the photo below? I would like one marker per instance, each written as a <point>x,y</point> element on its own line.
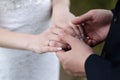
<point>62,18</point>
<point>73,61</point>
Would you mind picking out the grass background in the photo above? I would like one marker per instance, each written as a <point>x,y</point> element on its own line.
<point>78,7</point>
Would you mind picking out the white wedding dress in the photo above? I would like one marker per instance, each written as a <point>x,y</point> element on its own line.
<point>31,17</point>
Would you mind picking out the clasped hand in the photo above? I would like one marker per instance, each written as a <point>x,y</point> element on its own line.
<point>96,27</point>
<point>64,34</point>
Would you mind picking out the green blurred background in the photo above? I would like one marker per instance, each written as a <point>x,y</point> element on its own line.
<point>79,7</point>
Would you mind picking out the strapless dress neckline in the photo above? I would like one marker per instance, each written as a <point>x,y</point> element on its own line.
<point>16,4</point>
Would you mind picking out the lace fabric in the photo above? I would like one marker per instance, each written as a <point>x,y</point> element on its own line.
<point>16,4</point>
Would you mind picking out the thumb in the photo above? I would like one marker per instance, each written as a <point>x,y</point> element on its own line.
<point>85,17</point>
<point>60,55</point>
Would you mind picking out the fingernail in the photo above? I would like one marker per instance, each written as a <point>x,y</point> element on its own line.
<point>59,48</point>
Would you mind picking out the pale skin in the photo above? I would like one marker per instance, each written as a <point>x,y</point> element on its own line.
<point>97,27</point>
<point>38,43</point>
<point>62,18</point>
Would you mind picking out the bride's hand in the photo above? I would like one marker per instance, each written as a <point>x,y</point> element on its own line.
<point>62,18</point>
<point>41,43</point>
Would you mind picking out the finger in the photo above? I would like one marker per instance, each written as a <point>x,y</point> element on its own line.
<point>66,28</point>
<point>69,73</point>
<point>78,74</point>
<point>50,49</point>
<point>82,18</point>
<point>69,39</point>
<point>54,37</point>
<point>57,31</point>
<point>57,44</point>
<point>80,29</point>
<point>91,42</point>
<point>74,74</point>
<point>82,33</point>
<point>76,29</point>
<point>94,42</point>
<point>61,55</point>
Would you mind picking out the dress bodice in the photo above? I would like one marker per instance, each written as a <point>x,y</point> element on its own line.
<point>15,4</point>
<point>29,16</point>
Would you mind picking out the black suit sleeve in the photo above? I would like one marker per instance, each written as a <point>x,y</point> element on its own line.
<point>97,68</point>
<point>113,11</point>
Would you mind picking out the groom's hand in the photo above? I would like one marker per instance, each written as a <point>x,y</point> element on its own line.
<point>73,61</point>
<point>96,24</point>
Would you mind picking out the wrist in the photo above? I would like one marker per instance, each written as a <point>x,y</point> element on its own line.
<point>30,42</point>
<point>58,13</point>
<point>87,56</point>
<point>61,3</point>
<point>60,8</point>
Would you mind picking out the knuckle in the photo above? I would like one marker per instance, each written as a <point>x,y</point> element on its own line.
<point>61,30</point>
<point>58,38</point>
<point>53,43</point>
<point>66,28</point>
<point>51,49</point>
<point>73,33</point>
<point>58,45</point>
<point>70,30</point>
<point>62,45</point>
<point>50,43</point>
<point>64,35</point>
